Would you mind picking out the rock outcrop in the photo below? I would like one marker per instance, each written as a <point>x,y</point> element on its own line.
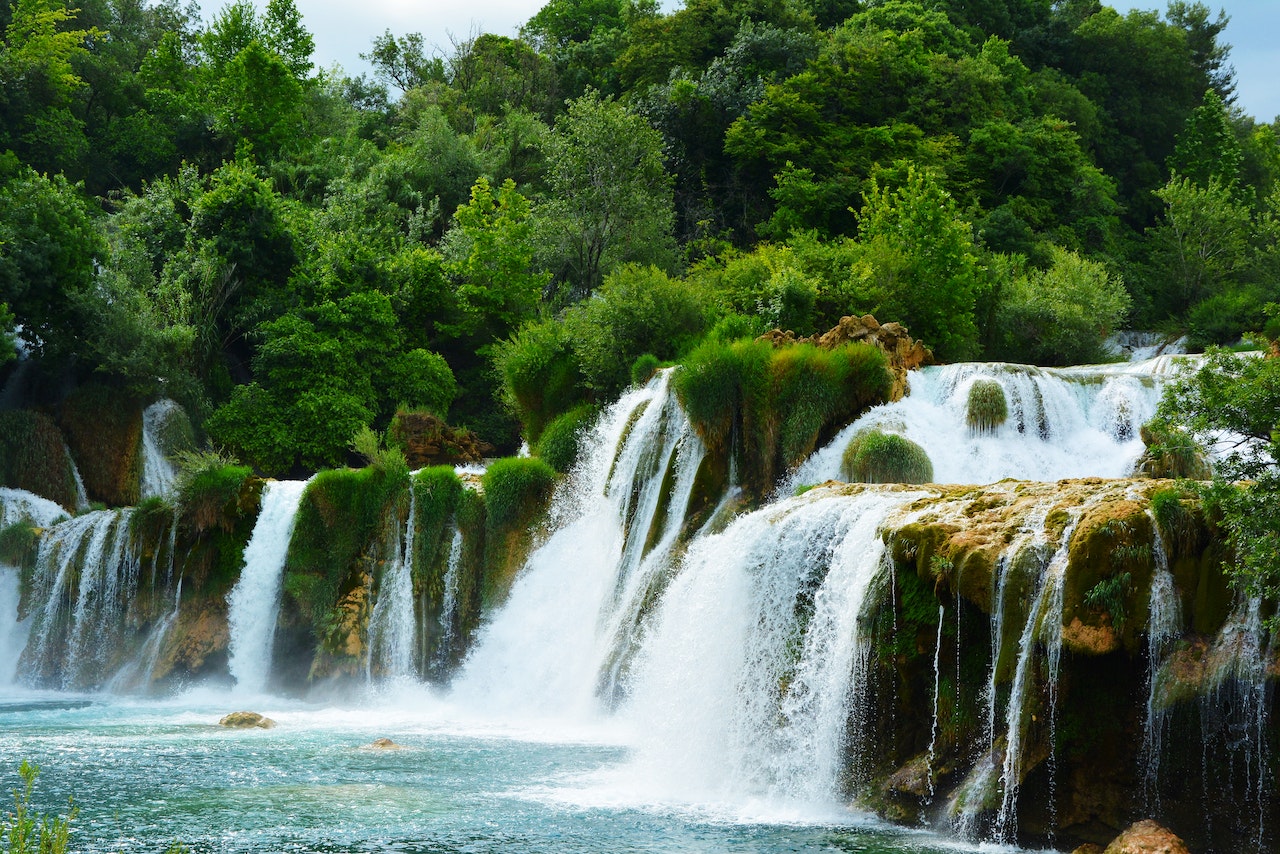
<point>1147,837</point>
<point>246,720</point>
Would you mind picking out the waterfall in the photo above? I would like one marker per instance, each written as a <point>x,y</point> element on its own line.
<point>449,602</point>
<point>573,610</point>
<point>254,602</point>
<point>157,472</point>
<point>13,632</point>
<point>18,505</point>
<point>94,555</point>
<point>82,496</point>
<point>391,625</point>
<point>1164,621</point>
<point>751,680</point>
<point>1062,423</point>
<point>937,690</point>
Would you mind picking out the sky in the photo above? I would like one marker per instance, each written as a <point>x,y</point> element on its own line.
<point>343,30</point>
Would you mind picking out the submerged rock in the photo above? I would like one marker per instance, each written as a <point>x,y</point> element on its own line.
<point>384,744</point>
<point>246,720</point>
<point>1147,837</point>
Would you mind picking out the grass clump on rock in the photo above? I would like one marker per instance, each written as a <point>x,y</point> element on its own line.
<point>559,443</point>
<point>987,407</point>
<point>874,456</point>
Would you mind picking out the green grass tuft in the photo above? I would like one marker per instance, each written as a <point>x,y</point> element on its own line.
<point>559,444</point>
<point>987,407</point>
<point>874,456</point>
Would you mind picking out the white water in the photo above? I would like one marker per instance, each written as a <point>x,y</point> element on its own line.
<point>541,654</point>
<point>82,496</point>
<point>157,471</point>
<point>17,505</point>
<point>1164,621</point>
<point>391,625</point>
<point>253,604</point>
<point>710,721</point>
<point>449,601</point>
<point>1063,423</point>
<point>13,632</point>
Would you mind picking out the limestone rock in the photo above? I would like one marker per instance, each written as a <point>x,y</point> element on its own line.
<point>1147,837</point>
<point>246,720</point>
<point>1088,848</point>
<point>427,441</point>
<point>385,744</point>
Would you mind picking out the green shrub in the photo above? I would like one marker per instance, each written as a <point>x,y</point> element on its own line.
<point>874,456</point>
<point>1223,318</point>
<point>539,374</point>
<point>1177,519</point>
<point>207,483</point>
<point>419,378</point>
<point>987,408</point>
<point>637,310</point>
<point>643,368</point>
<point>33,457</point>
<point>1172,453</point>
<point>1109,595</point>
<point>26,833</point>
<point>559,443</point>
<point>16,542</point>
<point>515,488</point>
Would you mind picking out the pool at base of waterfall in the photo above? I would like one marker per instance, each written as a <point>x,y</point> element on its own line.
<point>144,774</point>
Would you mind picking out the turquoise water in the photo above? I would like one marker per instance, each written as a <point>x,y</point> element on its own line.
<point>147,772</point>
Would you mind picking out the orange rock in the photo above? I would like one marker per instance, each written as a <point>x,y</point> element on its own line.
<point>1147,837</point>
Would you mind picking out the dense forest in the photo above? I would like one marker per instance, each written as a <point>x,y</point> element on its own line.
<point>504,233</point>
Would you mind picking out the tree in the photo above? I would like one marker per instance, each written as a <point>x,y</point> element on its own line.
<point>403,61</point>
<point>1208,149</point>
<point>610,195</point>
<point>920,263</point>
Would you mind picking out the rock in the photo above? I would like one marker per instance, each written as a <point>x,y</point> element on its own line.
<point>427,440</point>
<point>246,720</point>
<point>385,744</point>
<point>1088,848</point>
<point>1147,837</point>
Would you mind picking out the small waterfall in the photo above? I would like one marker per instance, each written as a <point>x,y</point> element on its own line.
<point>449,603</point>
<point>17,505</point>
<point>1062,423</point>
<point>391,625</point>
<point>138,673</point>
<point>82,495</point>
<point>92,553</point>
<point>1164,621</point>
<point>254,602</point>
<point>157,472</point>
<point>937,691</point>
<point>572,610</point>
<point>13,632</point>
<point>751,679</point>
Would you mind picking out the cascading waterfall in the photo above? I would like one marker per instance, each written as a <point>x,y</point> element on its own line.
<point>391,625</point>
<point>1062,423</point>
<point>82,496</point>
<point>13,632</point>
<point>772,601</point>
<point>18,505</point>
<point>94,553</point>
<point>937,691</point>
<point>1164,621</point>
<point>254,602</point>
<point>542,653</point>
<point>157,472</point>
<point>449,602</point>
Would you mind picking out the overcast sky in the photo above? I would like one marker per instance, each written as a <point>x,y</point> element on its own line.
<point>343,30</point>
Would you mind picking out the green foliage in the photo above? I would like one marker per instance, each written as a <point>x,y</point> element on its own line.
<point>874,456</point>
<point>610,200</point>
<point>643,368</point>
<point>1172,452</point>
<point>208,483</point>
<point>637,310</point>
<point>33,456</point>
<point>1060,315</point>
<point>420,380</point>
<point>769,285</point>
<point>390,461</point>
<point>1110,595</point>
<point>987,407</point>
<point>16,542</point>
<point>780,402</point>
<point>540,374</point>
<point>25,832</point>
<point>1207,150</point>
<point>515,488</point>
<point>8,342</point>
<point>560,443</point>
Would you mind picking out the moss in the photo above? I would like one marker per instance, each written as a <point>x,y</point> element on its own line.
<point>341,523</point>
<point>779,402</point>
<point>516,493</point>
<point>1172,453</point>
<point>208,488</point>
<point>1180,519</point>
<point>874,456</point>
<point>33,457</point>
<point>103,426</point>
<point>17,543</point>
<point>559,443</point>
<point>987,407</point>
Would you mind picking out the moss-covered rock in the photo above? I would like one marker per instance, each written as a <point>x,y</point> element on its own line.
<point>33,457</point>
<point>986,408</point>
<point>874,456</point>
<point>517,491</point>
<point>103,426</point>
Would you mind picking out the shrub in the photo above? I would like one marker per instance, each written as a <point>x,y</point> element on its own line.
<point>637,310</point>
<point>559,443</point>
<point>419,378</point>
<point>643,368</point>
<point>16,542</point>
<point>26,833</point>
<point>539,374</point>
<point>1223,318</point>
<point>1172,453</point>
<point>987,408</point>
<point>206,483</point>
<point>514,489</point>
<point>1109,595</point>
<point>1176,518</point>
<point>874,456</point>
